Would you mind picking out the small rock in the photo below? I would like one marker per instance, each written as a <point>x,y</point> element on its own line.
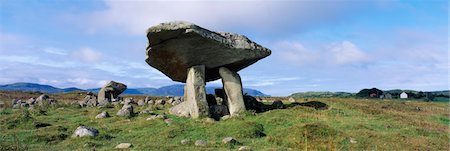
<point>123,146</point>
<point>104,114</point>
<point>201,143</point>
<point>278,104</point>
<point>245,148</point>
<point>147,112</point>
<point>209,120</point>
<point>229,140</point>
<point>141,103</point>
<point>83,131</point>
<point>226,117</point>
<point>353,141</point>
<point>168,121</point>
<point>160,102</point>
<point>185,141</point>
<point>127,110</point>
<point>128,101</point>
<point>153,117</point>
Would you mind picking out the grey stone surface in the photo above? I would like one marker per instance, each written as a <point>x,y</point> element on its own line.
<point>127,111</point>
<point>182,110</point>
<point>278,104</point>
<point>141,103</point>
<point>233,90</point>
<point>104,114</point>
<point>83,131</point>
<point>195,93</point>
<point>124,145</point>
<point>176,46</point>
<point>111,90</point>
<point>201,143</point>
<point>229,140</point>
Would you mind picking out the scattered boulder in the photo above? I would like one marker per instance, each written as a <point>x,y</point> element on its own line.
<point>245,148</point>
<point>83,131</point>
<point>315,104</point>
<point>90,100</point>
<point>230,140</point>
<point>181,109</point>
<point>185,141</point>
<point>252,104</point>
<point>128,101</point>
<point>104,114</point>
<point>126,111</point>
<point>168,121</point>
<point>123,146</point>
<point>201,143</point>
<point>153,117</point>
<point>160,102</point>
<point>45,99</point>
<point>218,111</point>
<point>278,104</point>
<point>141,103</point>
<point>226,117</point>
<point>31,101</point>
<point>147,112</point>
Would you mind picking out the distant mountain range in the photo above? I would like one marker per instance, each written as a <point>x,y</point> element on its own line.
<point>172,90</point>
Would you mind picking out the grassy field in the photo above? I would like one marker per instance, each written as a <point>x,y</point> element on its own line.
<point>348,124</point>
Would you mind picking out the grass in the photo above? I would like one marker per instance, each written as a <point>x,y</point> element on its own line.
<point>349,124</point>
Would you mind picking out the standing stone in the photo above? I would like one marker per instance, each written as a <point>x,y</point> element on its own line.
<point>195,92</point>
<point>111,91</point>
<point>233,89</point>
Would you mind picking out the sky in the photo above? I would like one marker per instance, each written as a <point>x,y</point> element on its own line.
<point>317,45</point>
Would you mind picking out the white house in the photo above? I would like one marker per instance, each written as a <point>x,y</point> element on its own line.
<point>403,96</point>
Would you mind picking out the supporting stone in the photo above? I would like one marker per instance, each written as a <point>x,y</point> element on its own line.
<point>195,93</point>
<point>233,89</point>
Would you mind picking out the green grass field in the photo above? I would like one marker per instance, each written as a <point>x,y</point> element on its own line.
<point>348,124</point>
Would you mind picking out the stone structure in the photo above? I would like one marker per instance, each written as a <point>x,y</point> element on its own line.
<point>110,92</point>
<point>191,54</point>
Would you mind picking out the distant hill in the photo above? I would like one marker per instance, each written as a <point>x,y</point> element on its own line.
<point>177,90</point>
<point>32,87</point>
<point>320,94</point>
<point>172,90</point>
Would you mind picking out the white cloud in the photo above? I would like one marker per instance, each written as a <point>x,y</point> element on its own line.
<point>55,51</point>
<point>346,52</point>
<point>335,54</point>
<point>263,16</point>
<point>87,55</point>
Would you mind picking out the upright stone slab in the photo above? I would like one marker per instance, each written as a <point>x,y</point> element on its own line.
<point>233,89</point>
<point>195,93</point>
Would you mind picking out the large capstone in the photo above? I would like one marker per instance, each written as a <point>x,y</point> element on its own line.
<point>176,46</point>
<point>111,91</point>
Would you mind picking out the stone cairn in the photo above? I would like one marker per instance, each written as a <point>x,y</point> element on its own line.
<point>193,55</point>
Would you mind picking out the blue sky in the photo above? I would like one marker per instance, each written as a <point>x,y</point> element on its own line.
<point>322,45</point>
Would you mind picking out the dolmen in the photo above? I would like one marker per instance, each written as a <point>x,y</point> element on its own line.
<point>193,55</point>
